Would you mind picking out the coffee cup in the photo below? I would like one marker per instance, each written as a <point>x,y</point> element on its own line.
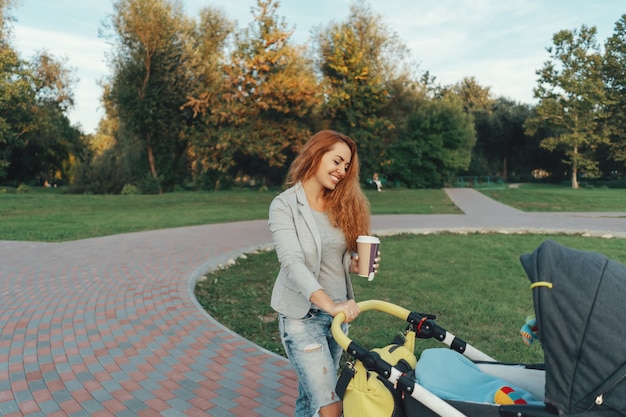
<point>367,249</point>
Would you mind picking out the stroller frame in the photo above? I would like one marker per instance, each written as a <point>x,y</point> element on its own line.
<point>423,326</point>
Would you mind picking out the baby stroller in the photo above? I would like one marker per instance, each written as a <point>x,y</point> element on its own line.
<point>578,301</point>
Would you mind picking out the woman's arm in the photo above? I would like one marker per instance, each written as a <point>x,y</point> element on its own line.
<point>323,301</point>
<point>292,250</point>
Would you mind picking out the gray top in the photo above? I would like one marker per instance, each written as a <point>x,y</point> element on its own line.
<point>333,248</point>
<point>298,246</point>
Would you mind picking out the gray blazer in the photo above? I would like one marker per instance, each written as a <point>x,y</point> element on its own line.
<point>298,247</point>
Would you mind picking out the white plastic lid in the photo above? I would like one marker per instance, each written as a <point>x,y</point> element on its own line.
<point>368,239</point>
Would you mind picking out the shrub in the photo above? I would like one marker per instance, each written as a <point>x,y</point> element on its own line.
<point>23,188</point>
<point>150,184</point>
<point>129,189</point>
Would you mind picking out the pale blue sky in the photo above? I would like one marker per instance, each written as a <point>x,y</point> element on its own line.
<point>499,42</point>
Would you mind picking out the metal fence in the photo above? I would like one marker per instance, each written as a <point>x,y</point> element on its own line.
<point>480,182</point>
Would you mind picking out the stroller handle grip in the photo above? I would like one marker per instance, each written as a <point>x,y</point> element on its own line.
<point>386,307</point>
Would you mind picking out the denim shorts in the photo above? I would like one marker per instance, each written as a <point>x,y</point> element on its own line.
<point>315,355</point>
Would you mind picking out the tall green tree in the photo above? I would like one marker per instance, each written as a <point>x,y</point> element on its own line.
<point>475,97</point>
<point>503,143</point>
<point>47,143</point>
<point>571,97</point>
<point>110,161</point>
<point>211,34</point>
<point>262,116</point>
<point>5,16</point>
<point>364,68</point>
<point>436,144</point>
<point>37,141</point>
<point>14,91</point>
<point>615,82</point>
<point>150,84</point>
<point>15,99</point>
<point>479,103</point>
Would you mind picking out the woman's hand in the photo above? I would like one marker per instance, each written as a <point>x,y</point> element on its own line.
<point>354,263</point>
<point>323,301</point>
<point>350,308</point>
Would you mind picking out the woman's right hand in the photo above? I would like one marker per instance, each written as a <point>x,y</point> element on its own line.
<point>350,308</point>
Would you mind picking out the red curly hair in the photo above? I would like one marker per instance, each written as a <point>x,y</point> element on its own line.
<point>346,205</point>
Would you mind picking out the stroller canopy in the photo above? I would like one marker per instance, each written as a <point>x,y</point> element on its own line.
<point>580,306</point>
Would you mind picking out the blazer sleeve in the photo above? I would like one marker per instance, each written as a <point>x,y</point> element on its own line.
<point>296,249</point>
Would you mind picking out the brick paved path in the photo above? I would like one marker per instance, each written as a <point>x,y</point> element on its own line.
<point>110,327</point>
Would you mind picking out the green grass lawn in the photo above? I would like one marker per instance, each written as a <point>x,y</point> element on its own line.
<point>555,198</point>
<point>47,215</point>
<point>474,284</point>
<point>50,216</point>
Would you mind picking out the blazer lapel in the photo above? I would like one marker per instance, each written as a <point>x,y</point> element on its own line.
<point>307,215</point>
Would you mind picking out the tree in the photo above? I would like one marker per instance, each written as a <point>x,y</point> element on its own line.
<point>262,116</point>
<point>209,158</point>
<point>109,162</point>
<point>48,143</point>
<point>436,144</point>
<point>15,99</point>
<point>150,83</point>
<point>614,65</point>
<point>14,91</point>
<point>37,141</point>
<point>571,93</point>
<point>502,146</point>
<point>364,69</point>
<point>474,96</point>
<point>478,102</point>
<point>5,7</point>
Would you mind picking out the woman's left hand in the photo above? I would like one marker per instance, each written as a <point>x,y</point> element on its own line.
<point>376,262</point>
<point>354,264</point>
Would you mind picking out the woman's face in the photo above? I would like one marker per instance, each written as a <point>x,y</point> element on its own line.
<point>334,165</point>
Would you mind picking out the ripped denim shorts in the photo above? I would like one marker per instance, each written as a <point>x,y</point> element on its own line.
<point>315,355</point>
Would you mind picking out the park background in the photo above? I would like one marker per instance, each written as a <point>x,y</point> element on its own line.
<point>200,115</point>
<point>199,103</point>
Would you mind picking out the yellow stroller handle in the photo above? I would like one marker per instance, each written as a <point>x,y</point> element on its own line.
<point>429,330</point>
<point>343,340</point>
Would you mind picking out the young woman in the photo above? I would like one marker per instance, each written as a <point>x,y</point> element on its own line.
<point>314,226</point>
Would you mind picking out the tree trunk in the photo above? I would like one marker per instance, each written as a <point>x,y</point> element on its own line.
<point>575,179</point>
<point>153,169</point>
<point>505,173</point>
<point>575,169</point>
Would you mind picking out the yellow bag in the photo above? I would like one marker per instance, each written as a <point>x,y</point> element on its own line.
<point>365,393</point>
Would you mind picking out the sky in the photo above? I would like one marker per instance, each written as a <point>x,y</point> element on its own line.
<point>501,43</point>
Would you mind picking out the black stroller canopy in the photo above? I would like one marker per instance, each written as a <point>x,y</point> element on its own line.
<point>580,305</point>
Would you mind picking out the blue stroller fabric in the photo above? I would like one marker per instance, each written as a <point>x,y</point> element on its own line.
<point>451,376</point>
